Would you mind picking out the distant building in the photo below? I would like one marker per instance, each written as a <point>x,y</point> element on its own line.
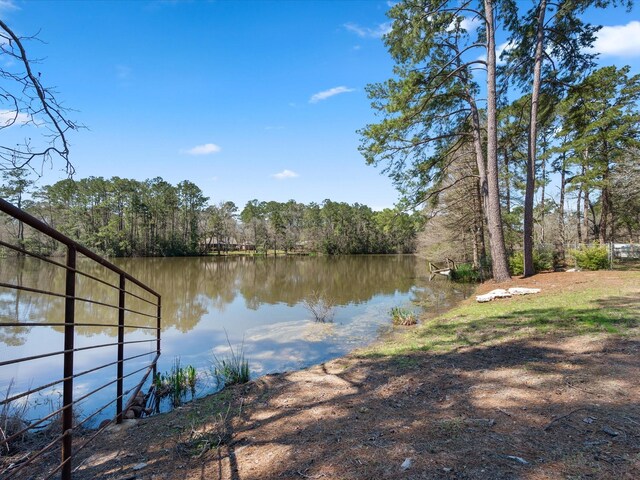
<point>215,244</point>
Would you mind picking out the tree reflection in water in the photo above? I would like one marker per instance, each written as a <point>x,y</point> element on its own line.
<point>258,299</point>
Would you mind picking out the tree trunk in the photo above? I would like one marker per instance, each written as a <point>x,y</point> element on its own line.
<point>500,265</point>
<point>542,193</point>
<point>560,254</point>
<point>531,152</point>
<point>579,215</point>
<point>605,200</point>
<point>507,182</point>
<point>585,213</point>
<point>478,235</point>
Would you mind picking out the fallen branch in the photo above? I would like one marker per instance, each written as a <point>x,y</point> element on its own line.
<point>563,416</point>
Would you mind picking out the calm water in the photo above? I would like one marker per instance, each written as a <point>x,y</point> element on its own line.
<point>257,302</point>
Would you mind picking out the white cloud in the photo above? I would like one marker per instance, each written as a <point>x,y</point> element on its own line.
<point>619,40</point>
<point>11,117</point>
<point>499,49</point>
<point>283,175</point>
<point>206,149</point>
<point>470,24</point>
<point>6,5</point>
<point>367,32</point>
<point>316,97</point>
<point>506,46</point>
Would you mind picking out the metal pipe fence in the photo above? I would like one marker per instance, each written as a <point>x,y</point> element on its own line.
<point>125,318</point>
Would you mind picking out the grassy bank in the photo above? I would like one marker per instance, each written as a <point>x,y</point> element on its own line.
<point>578,303</point>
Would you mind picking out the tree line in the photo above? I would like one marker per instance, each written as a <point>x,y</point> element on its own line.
<point>478,135</point>
<point>126,217</point>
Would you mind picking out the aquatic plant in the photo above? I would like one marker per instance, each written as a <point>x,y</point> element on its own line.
<point>403,316</point>
<point>233,368</point>
<point>191,377</point>
<point>12,419</point>
<point>320,305</point>
<point>176,382</point>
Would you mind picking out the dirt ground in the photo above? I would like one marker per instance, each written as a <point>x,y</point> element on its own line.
<point>541,408</point>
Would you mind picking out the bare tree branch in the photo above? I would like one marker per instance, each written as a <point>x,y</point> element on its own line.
<point>31,103</point>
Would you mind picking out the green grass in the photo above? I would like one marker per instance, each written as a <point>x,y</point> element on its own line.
<point>613,310</point>
<point>232,368</point>
<point>403,316</point>
<point>210,407</point>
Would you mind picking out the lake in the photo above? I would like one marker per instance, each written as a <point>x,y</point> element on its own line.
<point>254,303</point>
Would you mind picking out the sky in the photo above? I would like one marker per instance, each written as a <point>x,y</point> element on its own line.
<point>247,99</point>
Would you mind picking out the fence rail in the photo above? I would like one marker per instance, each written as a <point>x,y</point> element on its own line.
<point>122,315</point>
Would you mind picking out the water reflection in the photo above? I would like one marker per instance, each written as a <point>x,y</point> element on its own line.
<point>257,301</point>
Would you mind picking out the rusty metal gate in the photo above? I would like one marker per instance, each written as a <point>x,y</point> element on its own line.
<point>127,315</point>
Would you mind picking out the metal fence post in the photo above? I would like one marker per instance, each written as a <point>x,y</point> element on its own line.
<point>67,389</point>
<point>158,325</point>
<point>120,380</point>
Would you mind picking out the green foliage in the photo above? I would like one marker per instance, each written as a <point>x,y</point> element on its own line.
<point>176,383</point>
<point>424,109</point>
<point>332,228</point>
<point>465,273</point>
<point>542,261</point>
<point>591,257</point>
<point>516,263</point>
<point>122,217</point>
<point>233,368</point>
<point>403,316</point>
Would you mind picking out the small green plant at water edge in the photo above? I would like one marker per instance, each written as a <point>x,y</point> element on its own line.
<point>176,382</point>
<point>233,368</point>
<point>592,257</point>
<point>190,376</point>
<point>12,419</point>
<point>403,316</point>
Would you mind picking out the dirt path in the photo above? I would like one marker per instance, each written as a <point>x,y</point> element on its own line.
<point>546,407</point>
<point>569,410</point>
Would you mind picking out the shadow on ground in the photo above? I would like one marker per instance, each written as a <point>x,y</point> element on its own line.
<point>545,408</point>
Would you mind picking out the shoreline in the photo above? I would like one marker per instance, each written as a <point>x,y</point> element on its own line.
<point>539,386</point>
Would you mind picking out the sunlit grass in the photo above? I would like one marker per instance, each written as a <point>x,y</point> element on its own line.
<point>600,309</point>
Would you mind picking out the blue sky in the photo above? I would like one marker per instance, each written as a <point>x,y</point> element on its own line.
<point>245,99</point>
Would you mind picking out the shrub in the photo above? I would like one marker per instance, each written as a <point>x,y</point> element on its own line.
<point>592,257</point>
<point>465,273</point>
<point>403,316</point>
<point>516,263</point>
<point>542,260</point>
<point>321,307</point>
